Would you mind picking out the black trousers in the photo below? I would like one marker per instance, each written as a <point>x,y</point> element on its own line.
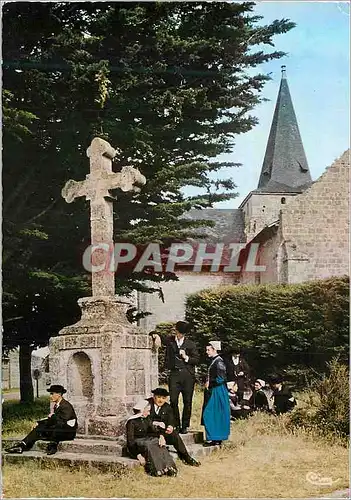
<point>175,440</point>
<point>43,431</point>
<point>181,382</point>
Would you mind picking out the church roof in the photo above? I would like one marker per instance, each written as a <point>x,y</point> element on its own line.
<point>285,167</point>
<point>228,228</point>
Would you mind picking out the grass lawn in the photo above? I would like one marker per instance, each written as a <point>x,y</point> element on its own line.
<point>262,459</point>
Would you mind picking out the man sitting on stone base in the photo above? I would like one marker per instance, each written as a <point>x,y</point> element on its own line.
<point>60,425</point>
<point>162,412</point>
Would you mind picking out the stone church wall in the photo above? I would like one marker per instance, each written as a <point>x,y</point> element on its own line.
<point>315,226</point>
<point>175,293</point>
<point>267,256</point>
<point>262,209</point>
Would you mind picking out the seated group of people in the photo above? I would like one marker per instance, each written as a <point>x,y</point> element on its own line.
<point>156,423</point>
<point>148,431</point>
<point>244,398</point>
<point>275,398</point>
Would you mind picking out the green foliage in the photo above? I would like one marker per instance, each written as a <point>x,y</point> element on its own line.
<point>16,122</point>
<point>164,330</point>
<point>328,407</point>
<point>293,329</point>
<point>166,83</point>
<point>19,418</point>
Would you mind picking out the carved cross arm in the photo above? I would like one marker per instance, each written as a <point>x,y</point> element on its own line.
<point>73,189</point>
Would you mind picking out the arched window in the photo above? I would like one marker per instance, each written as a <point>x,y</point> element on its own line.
<point>80,376</point>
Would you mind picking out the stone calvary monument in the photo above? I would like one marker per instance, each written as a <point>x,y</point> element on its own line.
<point>104,361</point>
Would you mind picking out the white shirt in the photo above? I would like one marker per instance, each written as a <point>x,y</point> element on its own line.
<point>157,409</point>
<point>180,342</point>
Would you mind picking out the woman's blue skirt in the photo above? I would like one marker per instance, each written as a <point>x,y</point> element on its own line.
<point>216,413</point>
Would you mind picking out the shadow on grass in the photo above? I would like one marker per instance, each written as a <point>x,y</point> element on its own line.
<point>18,418</point>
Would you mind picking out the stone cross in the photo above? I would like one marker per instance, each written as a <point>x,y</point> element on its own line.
<point>96,188</point>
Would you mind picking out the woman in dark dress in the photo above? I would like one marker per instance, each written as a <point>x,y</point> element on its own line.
<point>146,442</point>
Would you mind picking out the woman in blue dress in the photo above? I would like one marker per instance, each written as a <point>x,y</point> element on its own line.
<point>216,409</point>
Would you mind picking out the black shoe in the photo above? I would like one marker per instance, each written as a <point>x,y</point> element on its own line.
<point>51,449</point>
<point>184,430</point>
<point>211,443</point>
<point>191,461</point>
<point>172,472</point>
<point>15,449</point>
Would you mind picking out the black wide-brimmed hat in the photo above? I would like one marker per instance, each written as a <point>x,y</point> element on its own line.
<point>59,389</point>
<point>276,379</point>
<point>160,391</point>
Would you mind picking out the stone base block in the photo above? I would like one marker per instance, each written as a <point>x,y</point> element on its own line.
<point>106,426</point>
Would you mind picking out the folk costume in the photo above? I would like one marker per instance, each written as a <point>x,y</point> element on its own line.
<point>182,377</point>
<point>259,401</point>
<point>238,370</point>
<point>143,438</point>
<point>216,411</point>
<point>165,414</point>
<point>60,425</point>
<point>242,406</point>
<point>284,400</point>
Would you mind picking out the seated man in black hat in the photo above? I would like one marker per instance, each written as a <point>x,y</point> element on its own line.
<point>162,412</point>
<point>60,425</point>
<point>284,400</point>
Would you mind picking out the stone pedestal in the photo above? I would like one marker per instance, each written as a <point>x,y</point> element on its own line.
<point>105,363</point>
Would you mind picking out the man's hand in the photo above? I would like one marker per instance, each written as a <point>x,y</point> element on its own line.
<point>207,385</point>
<point>156,423</point>
<point>141,459</point>
<point>169,429</point>
<point>240,374</point>
<point>161,441</point>
<point>182,353</point>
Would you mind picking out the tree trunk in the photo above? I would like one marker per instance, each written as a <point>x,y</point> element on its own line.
<point>26,384</point>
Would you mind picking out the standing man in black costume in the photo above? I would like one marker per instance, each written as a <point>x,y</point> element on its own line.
<point>181,357</point>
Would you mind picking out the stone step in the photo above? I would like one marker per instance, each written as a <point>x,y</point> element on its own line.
<point>189,438</point>
<point>93,447</point>
<point>102,462</point>
<point>195,450</point>
<point>99,445</point>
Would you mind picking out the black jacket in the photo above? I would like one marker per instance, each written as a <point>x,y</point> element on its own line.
<point>172,352</point>
<point>284,400</point>
<point>233,370</point>
<point>164,415</point>
<point>217,369</point>
<point>62,415</point>
<point>139,428</point>
<point>259,401</point>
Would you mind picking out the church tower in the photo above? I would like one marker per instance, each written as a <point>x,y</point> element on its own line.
<point>285,171</point>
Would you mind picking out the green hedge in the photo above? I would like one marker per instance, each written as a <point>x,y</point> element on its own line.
<point>327,409</point>
<point>291,329</point>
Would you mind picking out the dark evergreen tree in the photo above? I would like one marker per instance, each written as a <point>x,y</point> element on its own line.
<point>166,83</point>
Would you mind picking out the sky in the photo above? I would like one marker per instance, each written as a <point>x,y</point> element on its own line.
<point>317,68</point>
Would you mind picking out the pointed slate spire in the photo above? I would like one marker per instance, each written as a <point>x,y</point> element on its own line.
<point>285,166</point>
